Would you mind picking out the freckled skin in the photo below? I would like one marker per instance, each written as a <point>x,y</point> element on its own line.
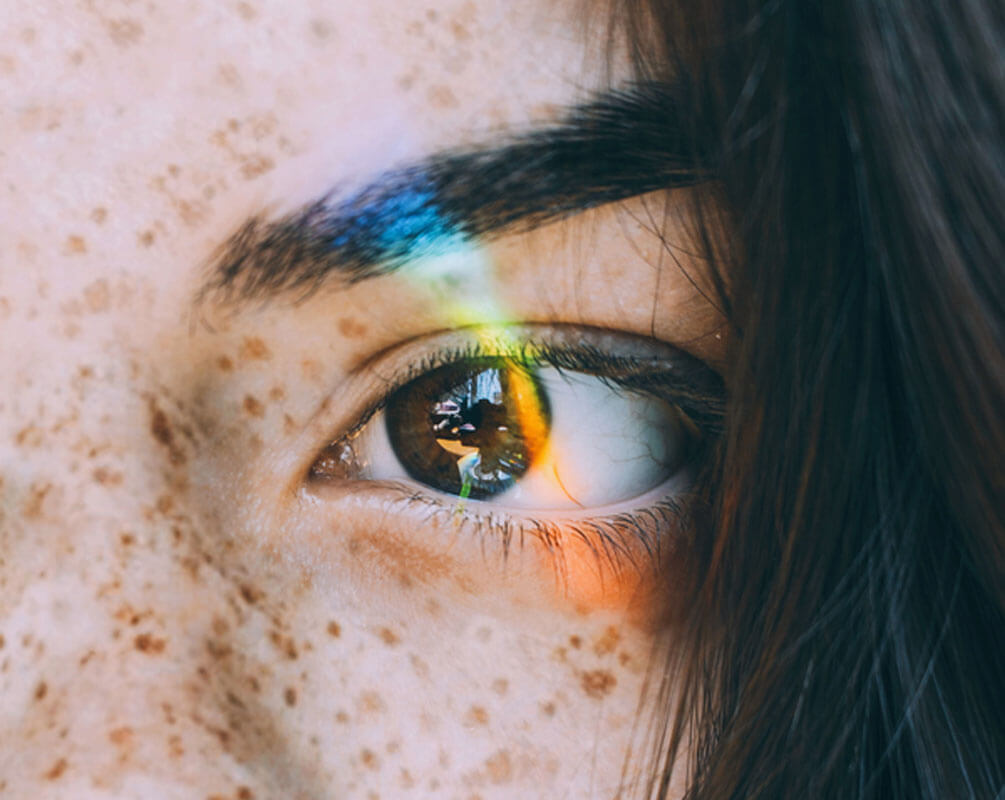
<point>176,620</point>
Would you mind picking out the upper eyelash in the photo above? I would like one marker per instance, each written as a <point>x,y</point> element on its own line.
<point>699,394</point>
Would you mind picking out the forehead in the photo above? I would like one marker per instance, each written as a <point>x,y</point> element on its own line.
<point>142,133</point>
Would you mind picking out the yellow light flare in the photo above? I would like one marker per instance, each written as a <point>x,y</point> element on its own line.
<point>465,281</point>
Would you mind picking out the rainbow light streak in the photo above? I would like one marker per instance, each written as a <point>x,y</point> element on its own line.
<point>435,255</point>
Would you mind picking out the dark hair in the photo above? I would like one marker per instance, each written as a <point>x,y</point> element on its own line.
<point>846,630</point>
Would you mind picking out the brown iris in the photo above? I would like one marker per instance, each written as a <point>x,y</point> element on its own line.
<point>470,429</point>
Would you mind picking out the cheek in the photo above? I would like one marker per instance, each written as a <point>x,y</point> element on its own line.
<point>464,703</point>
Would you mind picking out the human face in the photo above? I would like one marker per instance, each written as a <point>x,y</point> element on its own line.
<point>189,605</point>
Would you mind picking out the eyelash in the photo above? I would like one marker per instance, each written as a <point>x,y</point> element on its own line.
<point>614,540</point>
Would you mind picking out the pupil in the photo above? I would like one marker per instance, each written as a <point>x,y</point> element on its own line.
<point>471,429</point>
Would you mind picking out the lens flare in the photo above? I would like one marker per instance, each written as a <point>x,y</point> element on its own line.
<point>461,275</point>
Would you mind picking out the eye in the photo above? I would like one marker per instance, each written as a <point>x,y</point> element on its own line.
<point>578,444</point>
<point>529,437</point>
<point>519,433</point>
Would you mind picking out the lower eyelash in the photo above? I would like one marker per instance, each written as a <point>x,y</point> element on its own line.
<point>638,540</point>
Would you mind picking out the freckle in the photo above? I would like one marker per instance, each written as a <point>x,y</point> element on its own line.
<point>311,369</point>
<point>246,11</point>
<point>250,594</point>
<point>75,245</point>
<point>165,504</point>
<point>389,637</point>
<point>127,539</point>
<point>499,767</point>
<point>276,394</point>
<point>597,683</point>
<point>476,716</point>
<point>124,32</point>
<point>459,31</point>
<point>147,238</point>
<point>120,736</point>
<point>341,717</point>
<point>256,165</point>
<point>36,498</point>
<point>548,709</point>
<point>575,642</point>
<point>500,686</point>
<point>253,406</point>
<point>351,329</point>
<point>191,213</point>
<point>442,97</point>
<point>56,770</point>
<point>334,629</point>
<point>321,29</point>
<point>41,690</point>
<point>255,349</point>
<point>369,759</point>
<point>161,430</point>
<point>286,645</point>
<point>370,703</point>
<point>420,667</point>
<point>225,364</point>
<point>107,477</point>
<point>2,641</point>
<point>290,696</point>
<point>608,642</point>
<point>147,643</point>
<point>244,793</point>
<point>99,215</point>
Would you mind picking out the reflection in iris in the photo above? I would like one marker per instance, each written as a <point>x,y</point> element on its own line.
<point>470,429</point>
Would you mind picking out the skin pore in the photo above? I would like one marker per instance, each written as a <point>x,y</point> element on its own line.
<point>182,612</point>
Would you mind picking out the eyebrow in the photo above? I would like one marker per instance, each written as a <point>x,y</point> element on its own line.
<point>619,144</point>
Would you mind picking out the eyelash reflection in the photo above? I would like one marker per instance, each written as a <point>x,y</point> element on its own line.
<point>619,540</point>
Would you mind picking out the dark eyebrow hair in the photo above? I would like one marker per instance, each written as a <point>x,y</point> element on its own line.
<point>619,144</point>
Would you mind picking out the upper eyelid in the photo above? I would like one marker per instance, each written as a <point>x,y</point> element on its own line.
<point>683,379</point>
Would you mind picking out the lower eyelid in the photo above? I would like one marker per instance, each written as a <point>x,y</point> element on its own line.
<point>611,560</point>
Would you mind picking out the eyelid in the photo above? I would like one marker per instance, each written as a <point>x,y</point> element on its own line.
<point>588,551</point>
<point>627,361</point>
